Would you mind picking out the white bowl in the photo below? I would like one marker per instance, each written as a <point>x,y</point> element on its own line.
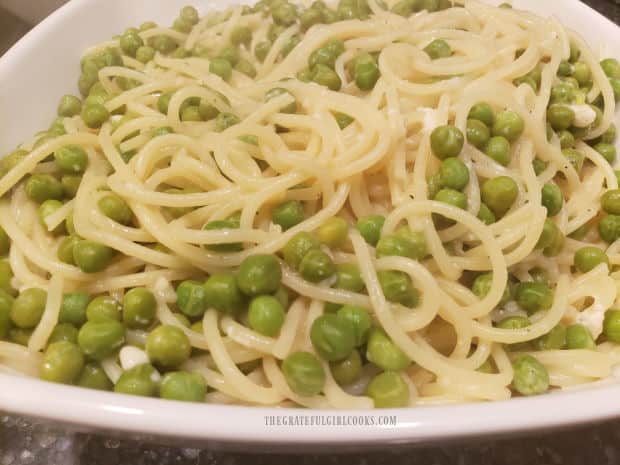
<point>43,66</point>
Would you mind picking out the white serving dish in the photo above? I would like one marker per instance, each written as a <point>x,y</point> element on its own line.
<point>43,66</point>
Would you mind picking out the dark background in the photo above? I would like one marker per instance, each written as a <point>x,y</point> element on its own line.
<point>34,442</point>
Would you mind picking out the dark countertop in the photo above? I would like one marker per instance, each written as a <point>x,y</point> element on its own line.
<point>25,442</point>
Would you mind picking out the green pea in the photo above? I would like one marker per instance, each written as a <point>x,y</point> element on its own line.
<point>167,346</point>
<point>103,308</point>
<point>499,194</point>
<point>482,285</point>
<point>446,141</point>
<point>560,116</point>
<point>288,214</point>
<point>63,332</point>
<point>189,14</point>
<point>609,228</point>
<point>526,80</point>
<point>482,112</point>
<point>325,76</point>
<point>145,53</point>
<point>498,148</point>
<point>438,48</point>
<point>611,67</point>
<point>567,140</point>
<point>565,68</point>
<point>47,208</point>
<point>219,225</point>
<point>304,373</point>
<point>553,340</point>
<point>6,275</point>
<point>69,106</point>
<point>403,8</point>
<point>277,91</point>
<point>452,197</point>
<point>221,68</point>
<point>94,377</point>
<point>92,257</point>
<point>297,247</point>
<point>412,245</point>
<point>310,17</point>
<point>552,198</point>
<point>130,42</point>
<point>95,115</point>
<point>5,242</point>
<point>575,158</point>
<point>366,74</point>
<point>548,236</point>
<point>575,53</point>
<point>6,302</point>
<point>86,81</point>
<point>223,293</point>
<point>73,308</point>
<point>115,208</point>
<point>245,67</point>
<point>266,315</point>
<point>163,44</point>
<point>191,298</point>
<point>42,187</point>
<point>579,337</point>
<point>562,93</point>
<point>533,297</point>
<point>388,390</point>
<point>182,385</point>
<point>62,362</point>
<point>478,133</point>
<point>316,266</point>
<point>589,257</point>
<point>514,322</point>
<point>139,308</point>
<point>343,120</point>
<point>348,277</point>
<point>259,274</point>
<point>70,185</point>
<point>611,325</point>
<point>348,370</point>
<point>610,201</point>
<point>608,151</point>
<point>28,308</point>
<point>225,120</point>
<point>333,232</point>
<point>290,45</point>
<point>582,73</point>
<point>305,75</point>
<point>530,377</point>
<point>509,125</point>
<point>190,113</point>
<point>138,381</point>
<point>332,337</point>
<point>486,215</point>
<point>397,287</point>
<point>20,336</point>
<point>285,14</point>
<point>163,102</point>
<point>100,339</point>
<point>370,228</point>
<point>261,50</point>
<point>359,319</point>
<point>453,173</point>
<point>609,136</point>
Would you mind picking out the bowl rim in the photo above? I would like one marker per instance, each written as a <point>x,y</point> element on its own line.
<point>238,424</point>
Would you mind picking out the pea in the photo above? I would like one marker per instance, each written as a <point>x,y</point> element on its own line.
<point>62,362</point>
<point>63,332</point>
<point>575,158</point>
<point>529,376</point>
<point>261,50</point>
<point>565,68</point>
<point>452,197</point>
<point>498,148</point>
<point>359,319</point>
<point>28,308</point>
<point>348,277</point>
<point>610,201</point>
<point>446,141</point>
<point>325,76</point>
<point>103,308</point>
<point>333,232</point>
<point>5,242</point>
<point>567,140</point>
<point>611,325</point>
<point>486,215</point>
<point>145,53</point>
<point>482,112</point>
<point>266,315</point>
<point>533,297</point>
<point>221,68</point>
<point>553,340</point>
<point>579,337</point>
<point>92,257</point>
<point>304,373</point>
<point>191,298</point>
<point>397,287</point>
<point>310,17</point>
<point>130,42</point>
<point>42,187</point>
<point>69,106</point>
<point>167,346</point>
<point>259,274</point>
<point>6,275</point>
<point>608,151</point>
<point>163,44</point>
<point>403,8</point>
<point>93,377</point>
<point>609,136</point>
<point>582,73</point>
<point>438,48</point>
<point>370,228</point>
<point>316,266</point>
<point>182,385</point>
<point>482,285</point>
<point>285,14</point>
<point>139,308</point>
<point>189,14</point>
<point>10,161</point>
<point>499,194</point>
<point>297,247</point>
<point>609,228</point>
<point>190,113</point>
<point>73,308</point>
<point>86,82</point>
<point>611,67</point>
<point>514,322</point>
<point>509,125</point>
<point>333,337</point>
<point>552,198</point>
<point>342,120</point>
<point>95,115</point>
<point>225,120</point>
<point>6,302</point>
<point>223,294</point>
<point>478,133</point>
<point>589,257</point>
<point>562,93</point>
<point>100,339</point>
<point>453,173</point>
<point>138,381</point>
<point>366,72</point>
<point>411,245</point>
<point>20,336</point>
<point>548,235</point>
<point>388,390</point>
<point>115,208</point>
<point>348,370</point>
<point>560,116</point>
